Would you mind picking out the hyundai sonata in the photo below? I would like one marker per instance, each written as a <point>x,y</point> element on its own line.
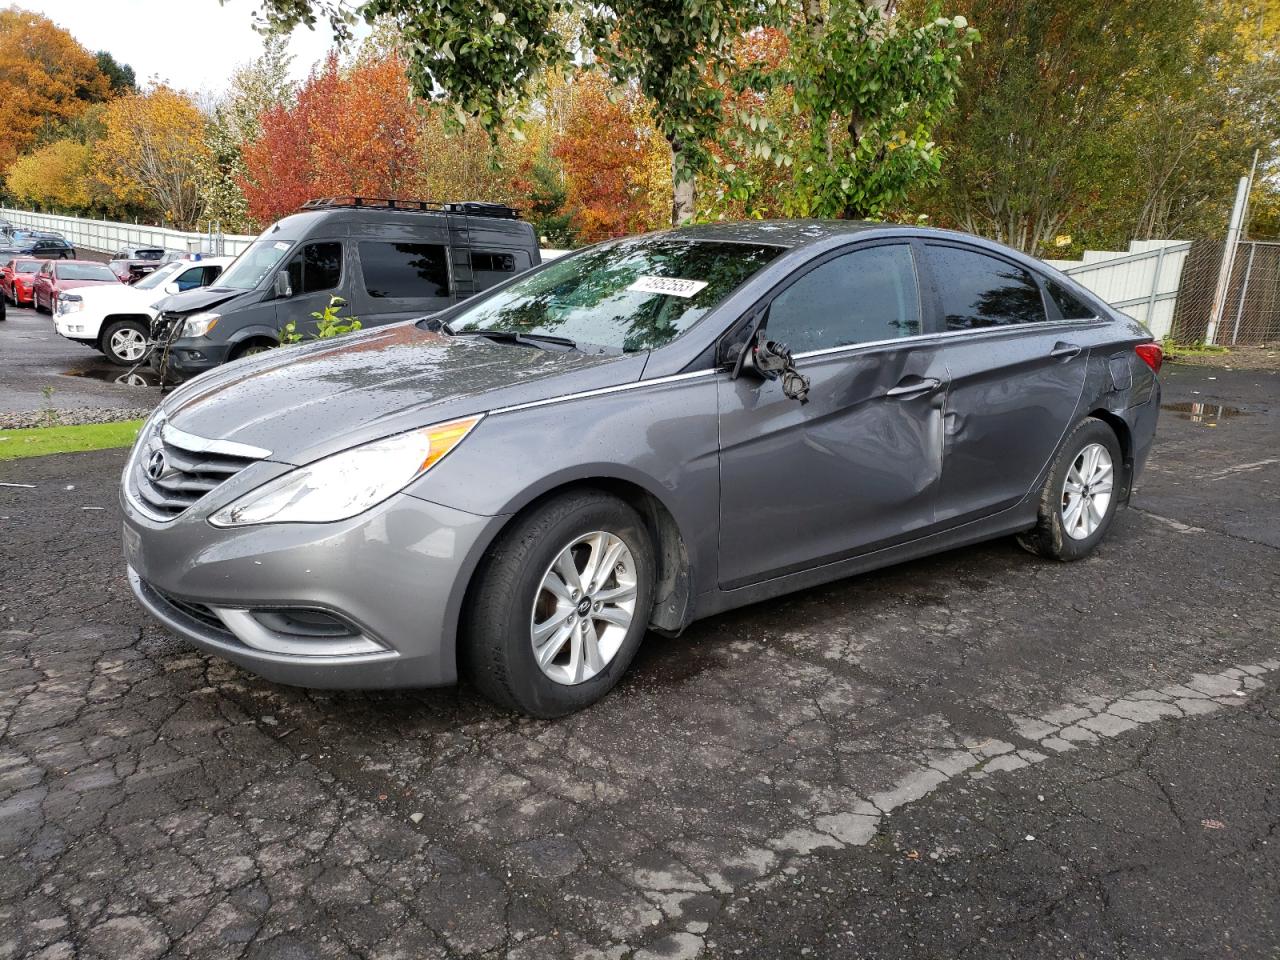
<point>646,432</point>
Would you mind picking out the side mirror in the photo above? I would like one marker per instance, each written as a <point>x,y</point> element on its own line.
<point>769,360</point>
<point>282,288</point>
<point>171,288</point>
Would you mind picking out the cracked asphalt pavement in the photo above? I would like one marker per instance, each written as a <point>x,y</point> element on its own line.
<point>980,754</point>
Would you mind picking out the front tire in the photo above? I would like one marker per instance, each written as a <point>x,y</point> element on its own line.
<point>1080,496</point>
<point>560,605</point>
<point>125,342</point>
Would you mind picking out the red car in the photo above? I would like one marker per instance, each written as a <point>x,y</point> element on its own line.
<point>56,276</point>
<point>17,278</point>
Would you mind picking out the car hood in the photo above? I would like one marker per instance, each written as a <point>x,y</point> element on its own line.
<point>113,295</point>
<point>82,284</point>
<point>305,402</point>
<point>201,299</point>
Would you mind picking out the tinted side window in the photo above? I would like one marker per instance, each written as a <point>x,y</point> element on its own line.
<point>321,266</point>
<point>493,262</point>
<point>404,270</point>
<point>1071,306</point>
<point>981,291</point>
<point>190,279</point>
<point>859,297</point>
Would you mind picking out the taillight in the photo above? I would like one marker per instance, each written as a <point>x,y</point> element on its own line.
<point>1151,355</point>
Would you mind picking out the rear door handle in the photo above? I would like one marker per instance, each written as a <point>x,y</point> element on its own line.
<point>913,387</point>
<point>1064,349</point>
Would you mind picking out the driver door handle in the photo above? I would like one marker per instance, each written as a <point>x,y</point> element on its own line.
<point>1064,349</point>
<point>913,387</point>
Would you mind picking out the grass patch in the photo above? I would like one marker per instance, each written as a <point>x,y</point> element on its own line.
<point>1173,349</point>
<point>42,441</point>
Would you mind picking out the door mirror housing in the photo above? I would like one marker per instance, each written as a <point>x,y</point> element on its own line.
<point>171,288</point>
<point>282,288</point>
<point>769,360</point>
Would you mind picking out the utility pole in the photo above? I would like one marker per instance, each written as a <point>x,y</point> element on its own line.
<point>1228,260</point>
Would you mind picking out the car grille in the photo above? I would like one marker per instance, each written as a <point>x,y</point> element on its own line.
<point>168,486</point>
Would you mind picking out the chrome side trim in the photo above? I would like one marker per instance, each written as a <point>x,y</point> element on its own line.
<point>602,391</point>
<point>229,448</point>
<point>978,334</point>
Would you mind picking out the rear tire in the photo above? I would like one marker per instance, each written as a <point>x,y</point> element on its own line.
<point>1080,496</point>
<point>125,342</point>
<point>523,607</point>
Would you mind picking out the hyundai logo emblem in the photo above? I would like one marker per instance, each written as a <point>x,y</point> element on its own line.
<point>155,465</point>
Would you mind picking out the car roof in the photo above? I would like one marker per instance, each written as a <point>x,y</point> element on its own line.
<point>781,233</point>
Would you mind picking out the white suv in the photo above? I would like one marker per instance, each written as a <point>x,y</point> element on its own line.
<point>116,318</point>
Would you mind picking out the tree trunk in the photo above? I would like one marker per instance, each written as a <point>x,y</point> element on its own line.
<point>682,190</point>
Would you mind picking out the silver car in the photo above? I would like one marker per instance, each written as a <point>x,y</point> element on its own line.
<point>647,432</point>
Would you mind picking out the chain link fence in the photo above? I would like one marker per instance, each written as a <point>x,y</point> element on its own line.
<point>1250,312</point>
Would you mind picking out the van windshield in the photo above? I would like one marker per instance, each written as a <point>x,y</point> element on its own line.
<point>635,294</point>
<point>259,260</point>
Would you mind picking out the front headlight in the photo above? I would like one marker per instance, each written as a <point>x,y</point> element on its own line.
<point>70,303</point>
<point>347,483</point>
<point>199,324</point>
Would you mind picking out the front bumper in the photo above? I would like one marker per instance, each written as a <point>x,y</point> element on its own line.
<point>189,357</point>
<point>396,574</point>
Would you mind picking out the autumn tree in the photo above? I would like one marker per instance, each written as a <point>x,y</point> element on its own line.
<point>46,79</point>
<point>350,130</point>
<point>614,160</point>
<point>151,153</point>
<point>55,177</point>
<point>235,123</point>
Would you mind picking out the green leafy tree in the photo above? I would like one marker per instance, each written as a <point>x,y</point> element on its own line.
<point>120,76</point>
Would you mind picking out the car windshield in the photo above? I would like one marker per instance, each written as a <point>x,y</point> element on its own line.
<point>30,266</point>
<point>632,295</point>
<point>158,277</point>
<point>258,260</point>
<point>85,271</point>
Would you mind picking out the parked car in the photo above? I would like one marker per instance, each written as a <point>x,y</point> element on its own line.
<point>634,436</point>
<point>116,318</point>
<point>389,260</point>
<point>17,278</point>
<point>134,263</point>
<point>42,245</point>
<point>57,277</point>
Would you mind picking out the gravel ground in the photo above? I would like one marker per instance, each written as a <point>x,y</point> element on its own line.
<point>1264,357</point>
<point>73,417</point>
<point>976,755</point>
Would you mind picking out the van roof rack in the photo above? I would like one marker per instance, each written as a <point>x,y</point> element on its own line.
<point>470,208</point>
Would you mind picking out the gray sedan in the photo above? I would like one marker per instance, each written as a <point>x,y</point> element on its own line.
<point>627,439</point>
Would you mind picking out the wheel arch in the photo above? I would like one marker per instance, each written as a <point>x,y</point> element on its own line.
<point>673,592</point>
<point>111,318</point>
<point>1124,436</point>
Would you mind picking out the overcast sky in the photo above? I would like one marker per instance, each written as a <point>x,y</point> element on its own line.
<point>191,44</point>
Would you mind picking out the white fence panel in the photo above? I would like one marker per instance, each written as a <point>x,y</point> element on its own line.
<point>106,236</point>
<point>1143,282</point>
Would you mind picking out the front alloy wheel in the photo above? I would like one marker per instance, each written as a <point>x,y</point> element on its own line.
<point>560,604</point>
<point>584,608</point>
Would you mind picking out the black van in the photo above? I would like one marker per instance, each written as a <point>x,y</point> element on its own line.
<point>388,259</point>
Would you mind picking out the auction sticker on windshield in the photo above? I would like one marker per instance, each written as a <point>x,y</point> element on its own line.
<point>670,285</point>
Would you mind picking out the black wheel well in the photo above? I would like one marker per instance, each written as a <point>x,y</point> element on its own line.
<point>108,320</point>
<point>673,592</point>
<point>1125,439</point>
<point>256,341</point>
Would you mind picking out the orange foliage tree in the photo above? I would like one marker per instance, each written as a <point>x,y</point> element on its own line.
<point>46,78</point>
<point>351,130</point>
<point>616,165</point>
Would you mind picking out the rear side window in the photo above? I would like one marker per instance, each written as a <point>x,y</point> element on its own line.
<point>404,270</point>
<point>979,291</point>
<point>1069,305</point>
<point>860,297</point>
<point>493,262</point>
<point>318,267</point>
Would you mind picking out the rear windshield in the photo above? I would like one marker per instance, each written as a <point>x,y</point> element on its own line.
<point>148,254</point>
<point>635,294</point>
<point>85,271</point>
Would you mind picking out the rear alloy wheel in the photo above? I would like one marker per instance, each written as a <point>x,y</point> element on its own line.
<point>560,605</point>
<point>125,342</point>
<point>1080,495</point>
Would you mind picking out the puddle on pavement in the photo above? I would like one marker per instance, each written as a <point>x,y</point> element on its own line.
<point>1209,413</point>
<point>124,378</point>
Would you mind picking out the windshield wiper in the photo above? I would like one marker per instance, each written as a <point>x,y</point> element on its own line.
<point>512,336</point>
